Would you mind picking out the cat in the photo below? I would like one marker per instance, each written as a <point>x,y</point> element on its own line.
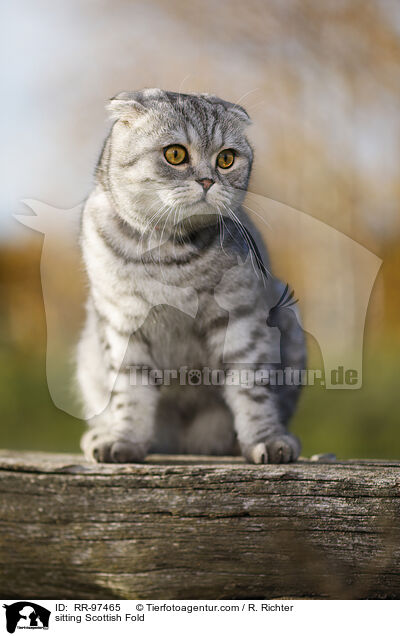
<point>164,226</point>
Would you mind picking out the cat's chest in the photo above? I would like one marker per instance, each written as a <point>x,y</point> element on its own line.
<point>174,338</point>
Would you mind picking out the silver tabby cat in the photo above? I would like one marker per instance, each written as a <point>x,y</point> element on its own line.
<point>165,228</point>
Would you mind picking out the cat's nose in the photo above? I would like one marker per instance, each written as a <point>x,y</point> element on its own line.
<point>206,183</point>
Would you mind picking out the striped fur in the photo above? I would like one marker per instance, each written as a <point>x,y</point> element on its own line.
<point>176,280</point>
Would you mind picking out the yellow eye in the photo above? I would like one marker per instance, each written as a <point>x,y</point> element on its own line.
<point>225,158</point>
<point>175,154</point>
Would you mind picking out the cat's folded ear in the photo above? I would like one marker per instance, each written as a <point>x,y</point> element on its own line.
<point>127,105</point>
<point>241,113</point>
<point>237,110</point>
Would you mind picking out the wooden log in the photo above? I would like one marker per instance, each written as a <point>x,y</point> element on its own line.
<point>197,528</point>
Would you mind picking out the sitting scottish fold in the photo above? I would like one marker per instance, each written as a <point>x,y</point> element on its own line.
<point>163,231</point>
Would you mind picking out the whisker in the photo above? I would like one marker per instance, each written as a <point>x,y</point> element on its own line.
<point>154,227</point>
<point>260,261</point>
<point>221,224</point>
<point>147,229</point>
<point>257,104</point>
<point>245,239</point>
<point>175,230</point>
<point>257,214</point>
<point>160,243</point>
<point>253,90</point>
<point>181,84</point>
<point>253,248</point>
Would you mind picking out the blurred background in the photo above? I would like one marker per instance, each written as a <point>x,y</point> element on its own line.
<point>321,83</point>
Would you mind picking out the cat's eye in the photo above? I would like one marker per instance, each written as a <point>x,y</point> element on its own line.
<point>226,158</point>
<point>175,154</point>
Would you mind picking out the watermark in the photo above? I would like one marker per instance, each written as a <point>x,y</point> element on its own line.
<point>332,274</point>
<point>248,378</point>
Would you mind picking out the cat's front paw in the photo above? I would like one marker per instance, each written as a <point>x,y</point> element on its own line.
<point>277,449</point>
<point>119,452</point>
<point>103,449</point>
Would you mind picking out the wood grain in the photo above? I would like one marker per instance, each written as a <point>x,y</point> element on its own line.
<point>197,528</point>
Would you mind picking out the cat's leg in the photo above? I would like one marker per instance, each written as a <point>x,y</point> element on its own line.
<point>261,434</point>
<point>262,437</point>
<point>122,406</point>
<point>124,431</point>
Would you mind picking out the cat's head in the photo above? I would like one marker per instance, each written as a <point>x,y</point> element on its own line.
<point>176,154</point>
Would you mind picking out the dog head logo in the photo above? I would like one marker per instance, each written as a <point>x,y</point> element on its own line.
<point>26,615</point>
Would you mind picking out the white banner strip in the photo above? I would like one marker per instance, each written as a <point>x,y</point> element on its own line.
<point>183,617</point>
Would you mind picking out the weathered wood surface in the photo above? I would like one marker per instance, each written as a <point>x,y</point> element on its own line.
<point>193,528</point>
